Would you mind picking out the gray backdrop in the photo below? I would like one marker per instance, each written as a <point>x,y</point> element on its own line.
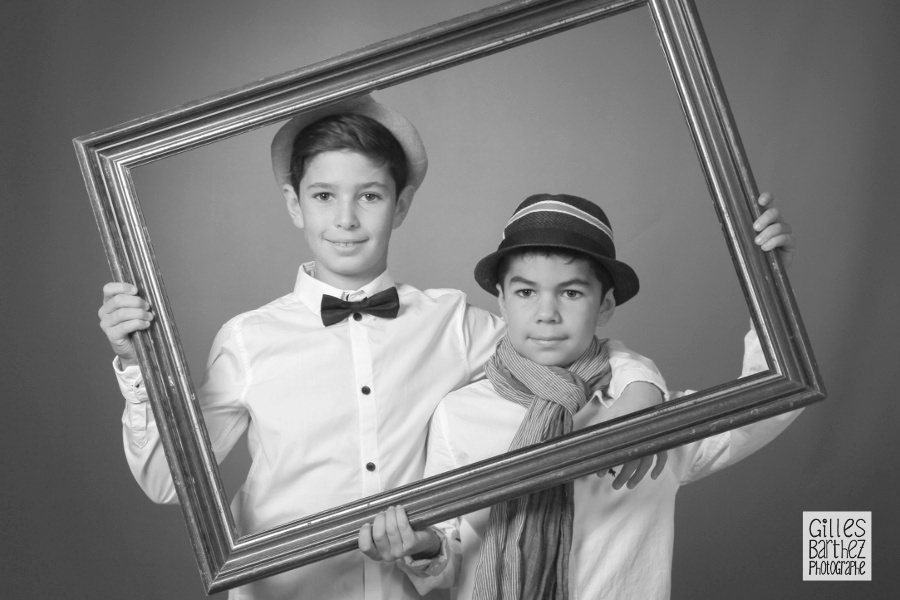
<point>592,112</point>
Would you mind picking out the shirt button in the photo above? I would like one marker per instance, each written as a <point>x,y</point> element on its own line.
<point>370,466</point>
<point>365,390</point>
<point>357,316</point>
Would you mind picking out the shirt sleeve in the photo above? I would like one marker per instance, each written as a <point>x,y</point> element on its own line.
<point>714,453</point>
<point>481,333</point>
<point>219,394</point>
<point>754,360</point>
<point>441,571</point>
<point>628,367</point>
<point>143,446</point>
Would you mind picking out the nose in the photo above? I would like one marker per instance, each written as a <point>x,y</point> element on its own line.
<point>345,217</point>
<point>547,309</point>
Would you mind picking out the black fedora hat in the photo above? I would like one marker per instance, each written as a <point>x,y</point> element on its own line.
<point>565,222</point>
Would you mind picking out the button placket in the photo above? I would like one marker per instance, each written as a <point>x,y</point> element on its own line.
<point>367,409</point>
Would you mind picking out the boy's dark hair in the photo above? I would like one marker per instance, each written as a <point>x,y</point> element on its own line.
<point>356,133</point>
<point>606,281</point>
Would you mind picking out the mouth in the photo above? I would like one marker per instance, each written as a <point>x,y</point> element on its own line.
<point>345,244</point>
<point>547,340</point>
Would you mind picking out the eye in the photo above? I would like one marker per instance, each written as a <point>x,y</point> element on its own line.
<point>572,294</point>
<point>524,293</point>
<point>323,196</point>
<point>371,197</point>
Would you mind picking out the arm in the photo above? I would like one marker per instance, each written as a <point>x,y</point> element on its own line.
<point>720,451</point>
<point>717,452</point>
<point>140,437</point>
<point>429,556</point>
<point>122,313</point>
<point>432,556</point>
<point>636,396</point>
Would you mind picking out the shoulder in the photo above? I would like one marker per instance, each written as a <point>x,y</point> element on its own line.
<point>447,301</point>
<point>479,401</point>
<point>622,357</point>
<point>474,394</point>
<point>273,311</point>
<point>628,367</point>
<point>478,421</point>
<point>409,293</point>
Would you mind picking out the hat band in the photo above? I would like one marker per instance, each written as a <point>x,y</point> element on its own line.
<point>564,208</point>
<point>564,240</point>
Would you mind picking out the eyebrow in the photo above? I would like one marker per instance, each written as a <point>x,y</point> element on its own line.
<point>329,185</point>
<point>518,279</point>
<point>567,283</point>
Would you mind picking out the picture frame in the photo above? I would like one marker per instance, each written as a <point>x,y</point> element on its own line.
<point>226,560</point>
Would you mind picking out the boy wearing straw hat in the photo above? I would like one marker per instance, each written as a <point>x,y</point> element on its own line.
<point>336,381</point>
<point>557,279</point>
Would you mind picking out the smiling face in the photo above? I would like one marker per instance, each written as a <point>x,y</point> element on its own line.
<point>347,206</point>
<point>552,306</point>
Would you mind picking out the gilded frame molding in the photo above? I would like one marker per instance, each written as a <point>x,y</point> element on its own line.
<point>224,559</point>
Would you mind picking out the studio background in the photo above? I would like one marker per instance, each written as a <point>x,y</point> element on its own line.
<point>593,112</point>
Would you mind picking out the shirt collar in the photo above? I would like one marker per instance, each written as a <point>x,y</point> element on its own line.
<point>310,290</point>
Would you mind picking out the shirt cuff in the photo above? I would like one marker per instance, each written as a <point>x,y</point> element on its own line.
<point>428,574</point>
<point>754,359</point>
<point>131,382</point>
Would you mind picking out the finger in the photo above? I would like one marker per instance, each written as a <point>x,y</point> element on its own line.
<point>120,301</point>
<point>121,315</point>
<point>393,533</point>
<point>771,230</point>
<point>115,288</point>
<point>382,544</point>
<point>625,474</point>
<point>785,241</point>
<point>121,331</point>
<point>766,199</point>
<point>643,468</point>
<point>407,534</point>
<point>661,459</point>
<point>365,542</point>
<point>772,215</point>
<point>117,331</point>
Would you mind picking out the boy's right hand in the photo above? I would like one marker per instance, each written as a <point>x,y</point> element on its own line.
<point>123,312</point>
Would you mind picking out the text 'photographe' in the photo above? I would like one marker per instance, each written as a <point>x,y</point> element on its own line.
<point>837,546</point>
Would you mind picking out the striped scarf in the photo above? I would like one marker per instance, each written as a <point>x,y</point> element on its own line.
<point>525,552</point>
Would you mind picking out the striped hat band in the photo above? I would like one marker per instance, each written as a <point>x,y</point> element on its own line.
<point>550,208</point>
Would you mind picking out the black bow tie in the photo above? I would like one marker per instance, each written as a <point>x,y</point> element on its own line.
<point>384,304</point>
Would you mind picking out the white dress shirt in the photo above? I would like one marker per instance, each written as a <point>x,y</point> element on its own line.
<point>332,414</point>
<point>622,539</point>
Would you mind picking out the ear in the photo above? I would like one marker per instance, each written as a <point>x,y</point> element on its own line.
<point>293,205</point>
<point>404,200</point>
<point>607,308</point>
<point>501,301</point>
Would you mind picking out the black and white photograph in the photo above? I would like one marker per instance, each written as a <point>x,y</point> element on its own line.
<point>450,300</point>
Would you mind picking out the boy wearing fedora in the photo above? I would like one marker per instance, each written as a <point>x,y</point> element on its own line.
<point>557,279</point>
<point>335,382</point>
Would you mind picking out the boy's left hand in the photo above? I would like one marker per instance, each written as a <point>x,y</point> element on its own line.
<point>390,537</point>
<point>634,471</point>
<point>773,232</point>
